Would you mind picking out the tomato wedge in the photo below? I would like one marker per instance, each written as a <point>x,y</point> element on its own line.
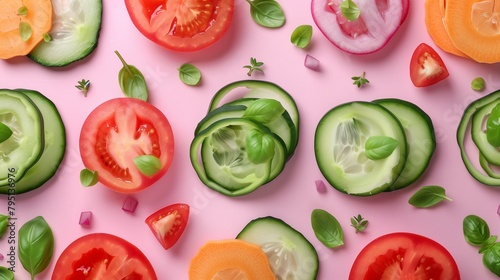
<point>426,66</point>
<point>102,256</point>
<point>168,224</point>
<point>404,255</point>
<point>118,131</point>
<point>182,25</point>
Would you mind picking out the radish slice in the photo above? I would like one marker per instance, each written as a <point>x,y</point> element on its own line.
<point>311,62</point>
<point>320,186</point>
<point>130,204</point>
<point>377,23</point>
<point>85,218</point>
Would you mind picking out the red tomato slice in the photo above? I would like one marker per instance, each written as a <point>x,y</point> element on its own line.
<point>118,131</point>
<point>102,256</point>
<point>182,25</point>
<point>403,255</point>
<point>426,66</point>
<point>168,224</point>
<point>375,26</point>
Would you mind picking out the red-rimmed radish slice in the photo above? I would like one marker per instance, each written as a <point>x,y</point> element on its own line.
<point>377,23</point>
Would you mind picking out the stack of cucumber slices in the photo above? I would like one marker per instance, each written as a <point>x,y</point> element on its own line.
<point>364,148</point>
<point>250,132</point>
<point>36,142</point>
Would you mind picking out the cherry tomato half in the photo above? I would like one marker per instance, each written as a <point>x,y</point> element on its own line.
<point>426,66</point>
<point>118,131</point>
<point>182,25</point>
<point>102,256</point>
<point>168,224</point>
<point>403,255</point>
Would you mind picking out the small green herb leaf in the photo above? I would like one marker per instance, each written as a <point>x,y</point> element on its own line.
<point>132,82</point>
<point>189,74</point>
<point>380,147</point>
<point>88,177</point>
<point>359,223</point>
<point>349,10</point>
<point>493,127</point>
<point>264,110</point>
<point>4,222</point>
<point>478,84</point>
<point>22,11</point>
<point>267,13</point>
<point>491,258</point>
<point>84,86</point>
<point>428,196</point>
<point>259,146</point>
<point>148,165</point>
<point>488,244</point>
<point>476,230</point>
<point>46,37</point>
<point>36,245</point>
<point>302,35</point>
<point>254,66</point>
<point>327,228</point>
<point>25,31</point>
<point>6,274</point>
<point>360,80</point>
<point>5,132</point>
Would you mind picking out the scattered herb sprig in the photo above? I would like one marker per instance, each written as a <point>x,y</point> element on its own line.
<point>267,13</point>
<point>428,196</point>
<point>359,223</point>
<point>84,86</point>
<point>254,66</point>
<point>189,74</point>
<point>360,80</point>
<point>132,82</point>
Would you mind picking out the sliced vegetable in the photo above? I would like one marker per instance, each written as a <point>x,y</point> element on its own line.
<point>327,228</point>
<point>493,126</point>
<point>426,66</point>
<point>189,74</point>
<point>301,35</point>
<point>168,223</point>
<point>130,204</point>
<point>428,196</point>
<point>267,13</point>
<point>85,218</point>
<point>311,62</point>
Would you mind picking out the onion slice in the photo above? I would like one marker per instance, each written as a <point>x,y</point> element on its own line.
<point>130,204</point>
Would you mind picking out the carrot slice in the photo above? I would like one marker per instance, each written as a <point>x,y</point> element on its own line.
<point>230,259</point>
<point>37,17</point>
<point>434,17</point>
<point>474,29</point>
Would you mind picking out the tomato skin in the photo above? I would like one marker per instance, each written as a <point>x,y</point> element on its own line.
<point>168,223</point>
<point>94,256</point>
<point>403,255</point>
<point>119,130</point>
<point>426,66</point>
<point>173,24</point>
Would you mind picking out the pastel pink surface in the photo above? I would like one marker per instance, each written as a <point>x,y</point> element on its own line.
<point>293,195</point>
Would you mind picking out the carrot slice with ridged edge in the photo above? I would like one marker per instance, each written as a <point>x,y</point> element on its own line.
<point>37,16</point>
<point>474,28</point>
<point>434,21</point>
<point>230,259</point>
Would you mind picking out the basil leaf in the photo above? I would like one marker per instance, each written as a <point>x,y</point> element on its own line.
<point>491,259</point>
<point>349,10</point>
<point>428,196</point>
<point>493,127</point>
<point>264,110</point>
<point>36,245</point>
<point>267,13</point>
<point>132,82</point>
<point>189,74</point>
<point>380,147</point>
<point>25,31</point>
<point>6,274</point>
<point>327,228</point>
<point>22,11</point>
<point>488,244</point>
<point>259,146</point>
<point>88,177</point>
<point>4,223</point>
<point>302,35</point>
<point>5,132</point>
<point>476,230</point>
<point>148,165</point>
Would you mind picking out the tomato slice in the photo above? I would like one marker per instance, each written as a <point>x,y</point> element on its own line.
<point>118,131</point>
<point>102,256</point>
<point>404,255</point>
<point>168,224</point>
<point>182,25</point>
<point>426,66</point>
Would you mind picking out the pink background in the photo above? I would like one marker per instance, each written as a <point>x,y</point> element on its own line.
<point>292,196</point>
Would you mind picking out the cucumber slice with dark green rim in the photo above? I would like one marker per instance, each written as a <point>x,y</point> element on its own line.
<point>53,152</point>
<point>420,136</point>
<point>220,160</point>
<point>290,254</point>
<point>478,133</point>
<point>339,147</point>
<point>488,167</point>
<point>224,112</point>
<point>74,34</point>
<point>23,149</point>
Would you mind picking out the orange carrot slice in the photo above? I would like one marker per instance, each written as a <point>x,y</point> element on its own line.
<point>474,29</point>
<point>37,16</point>
<point>434,17</point>
<point>230,259</point>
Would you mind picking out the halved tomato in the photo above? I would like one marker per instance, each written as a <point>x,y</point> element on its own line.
<point>426,66</point>
<point>182,25</point>
<point>118,131</point>
<point>102,256</point>
<point>168,224</point>
<point>404,255</point>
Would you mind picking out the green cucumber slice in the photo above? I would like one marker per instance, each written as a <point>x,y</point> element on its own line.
<point>23,149</point>
<point>420,136</point>
<point>339,147</point>
<point>74,34</point>
<point>488,167</point>
<point>290,254</point>
<point>490,153</point>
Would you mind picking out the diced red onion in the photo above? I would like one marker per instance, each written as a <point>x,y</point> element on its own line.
<point>498,210</point>
<point>311,62</point>
<point>1,257</point>
<point>320,186</point>
<point>85,218</point>
<point>130,204</point>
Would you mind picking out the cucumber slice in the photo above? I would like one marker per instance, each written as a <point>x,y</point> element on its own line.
<point>23,149</point>
<point>490,153</point>
<point>488,167</point>
<point>74,34</point>
<point>53,152</point>
<point>420,136</point>
<point>290,254</point>
<point>339,147</point>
